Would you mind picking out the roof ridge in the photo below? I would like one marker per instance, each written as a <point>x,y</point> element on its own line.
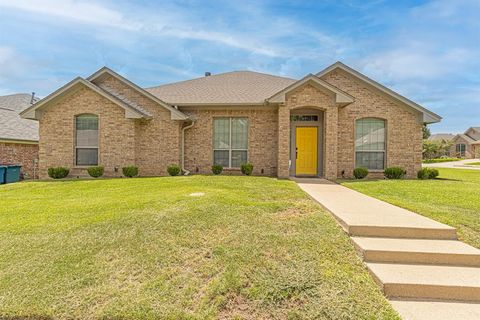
<point>219,74</point>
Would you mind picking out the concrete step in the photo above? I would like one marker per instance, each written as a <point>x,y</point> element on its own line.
<point>436,310</point>
<point>427,282</point>
<point>417,251</point>
<point>365,216</point>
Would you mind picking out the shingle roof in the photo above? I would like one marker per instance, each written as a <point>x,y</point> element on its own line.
<point>466,138</point>
<point>236,87</point>
<point>441,136</point>
<point>12,126</point>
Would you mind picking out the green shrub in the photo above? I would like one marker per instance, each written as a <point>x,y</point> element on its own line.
<point>173,170</point>
<point>95,172</point>
<point>247,169</point>
<point>360,173</point>
<point>58,172</point>
<point>394,173</point>
<point>427,173</point>
<point>217,169</point>
<point>130,171</point>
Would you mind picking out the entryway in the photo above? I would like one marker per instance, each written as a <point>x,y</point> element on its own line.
<point>306,142</point>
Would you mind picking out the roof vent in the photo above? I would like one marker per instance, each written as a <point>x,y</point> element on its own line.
<point>208,74</point>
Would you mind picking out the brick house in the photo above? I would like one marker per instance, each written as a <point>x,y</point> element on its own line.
<point>322,125</point>
<point>18,137</point>
<point>467,144</point>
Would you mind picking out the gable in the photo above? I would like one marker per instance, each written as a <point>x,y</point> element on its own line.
<point>427,115</point>
<point>35,111</point>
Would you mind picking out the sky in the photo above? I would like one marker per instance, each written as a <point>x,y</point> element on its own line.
<point>428,51</point>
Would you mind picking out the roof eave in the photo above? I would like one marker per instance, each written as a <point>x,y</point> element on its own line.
<point>428,116</point>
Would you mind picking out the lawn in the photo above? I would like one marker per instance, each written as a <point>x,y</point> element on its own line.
<point>453,198</point>
<point>473,163</point>
<point>249,248</point>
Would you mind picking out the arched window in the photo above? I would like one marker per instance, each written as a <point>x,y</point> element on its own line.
<point>370,138</point>
<point>86,140</point>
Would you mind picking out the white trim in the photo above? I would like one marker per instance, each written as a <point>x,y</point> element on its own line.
<point>341,98</point>
<point>428,116</point>
<point>230,149</point>
<point>175,114</point>
<point>34,112</point>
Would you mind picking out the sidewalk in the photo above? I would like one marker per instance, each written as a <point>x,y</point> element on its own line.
<point>418,262</point>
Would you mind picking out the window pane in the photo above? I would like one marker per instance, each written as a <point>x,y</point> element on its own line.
<point>87,157</point>
<point>370,160</point>
<point>86,131</point>
<point>87,122</point>
<point>238,158</point>
<point>221,157</point>
<point>221,133</point>
<point>239,133</point>
<point>370,135</point>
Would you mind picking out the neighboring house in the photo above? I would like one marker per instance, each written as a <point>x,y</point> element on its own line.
<point>467,145</point>
<point>321,125</point>
<point>18,137</point>
<point>444,137</point>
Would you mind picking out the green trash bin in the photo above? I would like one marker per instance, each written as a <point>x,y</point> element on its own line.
<point>3,170</point>
<point>12,174</point>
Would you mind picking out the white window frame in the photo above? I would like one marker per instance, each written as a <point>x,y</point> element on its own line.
<point>459,152</point>
<point>384,151</point>
<point>89,147</point>
<point>230,149</point>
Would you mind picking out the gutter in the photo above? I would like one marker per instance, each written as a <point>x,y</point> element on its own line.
<point>185,171</point>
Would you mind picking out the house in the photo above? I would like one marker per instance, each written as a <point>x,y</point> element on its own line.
<point>441,137</point>
<point>18,136</point>
<point>467,145</point>
<point>324,124</point>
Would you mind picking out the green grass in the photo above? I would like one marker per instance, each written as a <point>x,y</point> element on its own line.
<point>473,163</point>
<point>453,198</point>
<point>441,160</point>
<point>251,247</point>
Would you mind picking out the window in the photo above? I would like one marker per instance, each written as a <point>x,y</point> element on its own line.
<point>298,117</point>
<point>370,143</point>
<point>460,150</point>
<point>230,141</point>
<point>86,140</point>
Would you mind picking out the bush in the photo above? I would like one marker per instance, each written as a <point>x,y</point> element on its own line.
<point>427,173</point>
<point>130,171</point>
<point>217,169</point>
<point>58,172</point>
<point>360,173</point>
<point>394,173</point>
<point>247,169</point>
<point>173,170</point>
<point>95,172</point>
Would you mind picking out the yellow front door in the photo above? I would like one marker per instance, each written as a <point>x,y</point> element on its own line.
<point>306,143</point>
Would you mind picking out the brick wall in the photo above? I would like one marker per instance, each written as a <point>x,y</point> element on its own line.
<point>23,154</point>
<point>404,126</point>
<point>262,139</point>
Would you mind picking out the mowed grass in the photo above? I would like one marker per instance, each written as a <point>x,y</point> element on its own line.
<point>250,248</point>
<point>453,198</point>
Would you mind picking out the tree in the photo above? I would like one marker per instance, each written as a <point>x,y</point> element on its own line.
<point>426,131</point>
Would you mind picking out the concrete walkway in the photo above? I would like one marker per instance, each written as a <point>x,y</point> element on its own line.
<point>418,262</point>
<point>462,164</point>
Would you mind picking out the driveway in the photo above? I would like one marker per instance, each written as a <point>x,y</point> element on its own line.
<point>462,164</point>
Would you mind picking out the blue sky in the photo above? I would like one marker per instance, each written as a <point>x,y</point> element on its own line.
<point>428,51</point>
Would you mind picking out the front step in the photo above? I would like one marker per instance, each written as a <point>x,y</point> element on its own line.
<point>427,282</point>
<point>443,252</point>
<point>401,232</point>
<point>436,310</point>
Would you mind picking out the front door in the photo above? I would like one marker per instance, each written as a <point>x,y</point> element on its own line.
<point>306,151</point>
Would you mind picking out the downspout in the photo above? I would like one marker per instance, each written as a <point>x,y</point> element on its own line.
<point>185,171</point>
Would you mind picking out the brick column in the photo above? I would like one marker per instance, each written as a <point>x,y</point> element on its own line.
<point>331,143</point>
<point>283,155</point>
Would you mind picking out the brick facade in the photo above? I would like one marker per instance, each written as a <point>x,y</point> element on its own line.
<point>19,153</point>
<point>155,143</point>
